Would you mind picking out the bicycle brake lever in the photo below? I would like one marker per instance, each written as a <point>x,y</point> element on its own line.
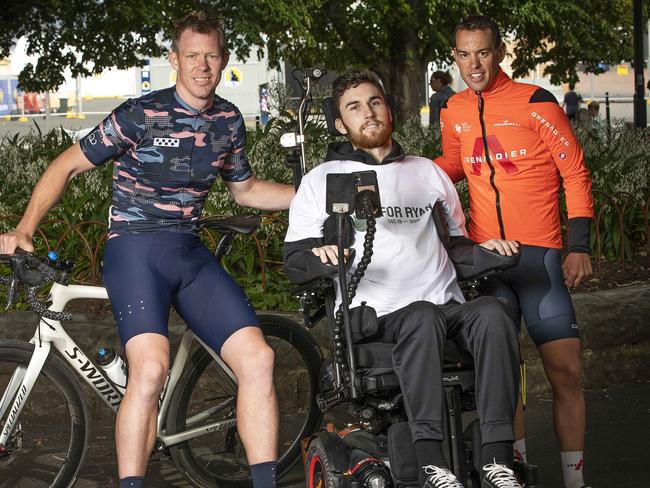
<point>11,294</point>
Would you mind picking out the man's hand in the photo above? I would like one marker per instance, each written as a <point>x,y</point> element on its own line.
<point>576,267</point>
<point>10,241</point>
<point>503,247</point>
<point>329,254</point>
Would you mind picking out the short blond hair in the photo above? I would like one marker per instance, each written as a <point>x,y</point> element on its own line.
<point>202,23</point>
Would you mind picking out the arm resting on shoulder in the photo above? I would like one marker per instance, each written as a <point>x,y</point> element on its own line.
<point>261,194</point>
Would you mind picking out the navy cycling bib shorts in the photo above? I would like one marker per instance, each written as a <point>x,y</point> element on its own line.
<point>535,288</point>
<point>146,273</point>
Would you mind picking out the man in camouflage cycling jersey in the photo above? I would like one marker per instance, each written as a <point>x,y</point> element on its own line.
<point>168,149</point>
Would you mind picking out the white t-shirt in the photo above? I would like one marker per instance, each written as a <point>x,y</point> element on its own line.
<point>409,262</point>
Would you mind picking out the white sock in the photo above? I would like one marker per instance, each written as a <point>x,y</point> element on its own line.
<point>519,447</point>
<point>572,464</point>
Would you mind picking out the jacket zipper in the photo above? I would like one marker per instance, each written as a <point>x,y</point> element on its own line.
<point>489,162</point>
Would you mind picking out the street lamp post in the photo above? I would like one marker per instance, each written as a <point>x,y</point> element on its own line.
<point>640,117</point>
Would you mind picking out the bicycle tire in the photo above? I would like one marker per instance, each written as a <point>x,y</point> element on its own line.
<point>52,452</point>
<point>218,458</point>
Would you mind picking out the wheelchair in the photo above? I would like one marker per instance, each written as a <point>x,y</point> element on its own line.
<point>376,451</point>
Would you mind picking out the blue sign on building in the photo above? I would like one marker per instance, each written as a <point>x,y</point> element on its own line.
<point>145,77</point>
<point>8,87</point>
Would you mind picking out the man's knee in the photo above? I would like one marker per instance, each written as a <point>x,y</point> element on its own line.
<point>148,358</point>
<point>147,377</point>
<point>492,318</point>
<point>257,368</point>
<point>425,316</point>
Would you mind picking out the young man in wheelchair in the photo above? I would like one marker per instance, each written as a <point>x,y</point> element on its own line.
<point>411,281</point>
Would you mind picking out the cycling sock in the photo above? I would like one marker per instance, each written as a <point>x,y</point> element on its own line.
<point>265,474</point>
<point>132,482</point>
<point>572,464</point>
<point>428,452</point>
<point>497,452</point>
<point>520,449</point>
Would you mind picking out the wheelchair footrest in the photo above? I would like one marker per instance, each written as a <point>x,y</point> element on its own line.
<point>526,473</point>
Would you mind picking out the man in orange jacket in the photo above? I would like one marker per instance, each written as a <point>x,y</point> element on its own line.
<point>515,145</point>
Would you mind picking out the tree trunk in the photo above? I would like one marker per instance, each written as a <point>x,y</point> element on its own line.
<point>404,78</point>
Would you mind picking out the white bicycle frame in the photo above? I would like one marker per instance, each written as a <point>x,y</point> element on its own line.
<point>52,333</point>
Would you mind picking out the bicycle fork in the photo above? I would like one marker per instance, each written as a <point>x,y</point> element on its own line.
<point>20,386</point>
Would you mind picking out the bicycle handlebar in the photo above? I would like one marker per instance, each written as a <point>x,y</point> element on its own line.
<point>33,272</point>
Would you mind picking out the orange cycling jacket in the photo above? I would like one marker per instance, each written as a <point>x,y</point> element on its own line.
<point>513,142</point>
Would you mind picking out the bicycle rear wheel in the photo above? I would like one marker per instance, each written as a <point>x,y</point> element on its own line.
<point>48,444</point>
<point>218,458</point>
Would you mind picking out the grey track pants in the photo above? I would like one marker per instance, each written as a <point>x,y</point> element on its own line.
<point>483,328</point>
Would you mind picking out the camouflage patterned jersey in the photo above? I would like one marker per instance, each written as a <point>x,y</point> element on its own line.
<point>167,156</point>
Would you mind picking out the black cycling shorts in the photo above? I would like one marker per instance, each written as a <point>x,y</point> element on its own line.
<point>535,288</point>
<point>147,273</point>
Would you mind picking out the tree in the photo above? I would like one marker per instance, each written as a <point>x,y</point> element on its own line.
<point>397,38</point>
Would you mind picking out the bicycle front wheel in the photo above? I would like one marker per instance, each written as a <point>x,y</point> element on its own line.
<point>47,446</point>
<point>218,458</point>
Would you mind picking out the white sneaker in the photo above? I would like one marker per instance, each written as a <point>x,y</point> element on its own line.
<point>440,478</point>
<point>499,476</point>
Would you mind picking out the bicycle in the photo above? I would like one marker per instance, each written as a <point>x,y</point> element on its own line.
<point>196,419</point>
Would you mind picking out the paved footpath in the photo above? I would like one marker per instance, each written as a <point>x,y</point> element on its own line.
<point>617,436</point>
<point>616,342</point>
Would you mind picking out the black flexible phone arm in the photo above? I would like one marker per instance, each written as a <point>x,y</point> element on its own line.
<point>342,324</point>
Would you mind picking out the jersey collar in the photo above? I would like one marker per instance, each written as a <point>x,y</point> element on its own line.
<point>501,82</point>
<point>189,108</point>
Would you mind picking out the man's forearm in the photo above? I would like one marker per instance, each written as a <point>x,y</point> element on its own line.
<point>267,195</point>
<point>46,193</point>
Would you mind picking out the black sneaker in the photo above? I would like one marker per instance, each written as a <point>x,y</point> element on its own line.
<point>440,478</point>
<point>499,476</point>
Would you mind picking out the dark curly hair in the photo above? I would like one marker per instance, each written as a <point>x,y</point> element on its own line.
<point>353,79</point>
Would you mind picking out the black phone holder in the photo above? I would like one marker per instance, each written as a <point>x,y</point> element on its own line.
<point>358,193</point>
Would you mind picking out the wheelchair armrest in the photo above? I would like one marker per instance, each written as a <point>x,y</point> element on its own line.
<point>314,285</point>
<point>484,262</point>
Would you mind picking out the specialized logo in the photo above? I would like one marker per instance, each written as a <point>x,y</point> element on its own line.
<point>112,396</point>
<point>14,411</point>
<point>497,153</point>
<point>166,141</point>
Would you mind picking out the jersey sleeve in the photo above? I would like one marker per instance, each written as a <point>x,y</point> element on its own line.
<point>554,128</point>
<point>454,214</point>
<point>236,166</point>
<point>306,215</point>
<point>120,131</point>
<point>450,160</point>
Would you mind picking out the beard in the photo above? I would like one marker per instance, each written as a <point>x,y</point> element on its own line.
<point>362,140</point>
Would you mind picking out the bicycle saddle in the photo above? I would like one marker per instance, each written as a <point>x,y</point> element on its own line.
<point>243,224</point>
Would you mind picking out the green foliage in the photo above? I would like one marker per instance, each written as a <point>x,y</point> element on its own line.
<point>621,178</point>
<point>619,168</point>
<point>395,38</point>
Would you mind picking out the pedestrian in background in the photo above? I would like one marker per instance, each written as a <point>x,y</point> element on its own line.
<point>572,101</point>
<point>440,83</point>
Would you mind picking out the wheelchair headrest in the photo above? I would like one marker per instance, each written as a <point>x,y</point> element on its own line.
<point>331,113</point>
